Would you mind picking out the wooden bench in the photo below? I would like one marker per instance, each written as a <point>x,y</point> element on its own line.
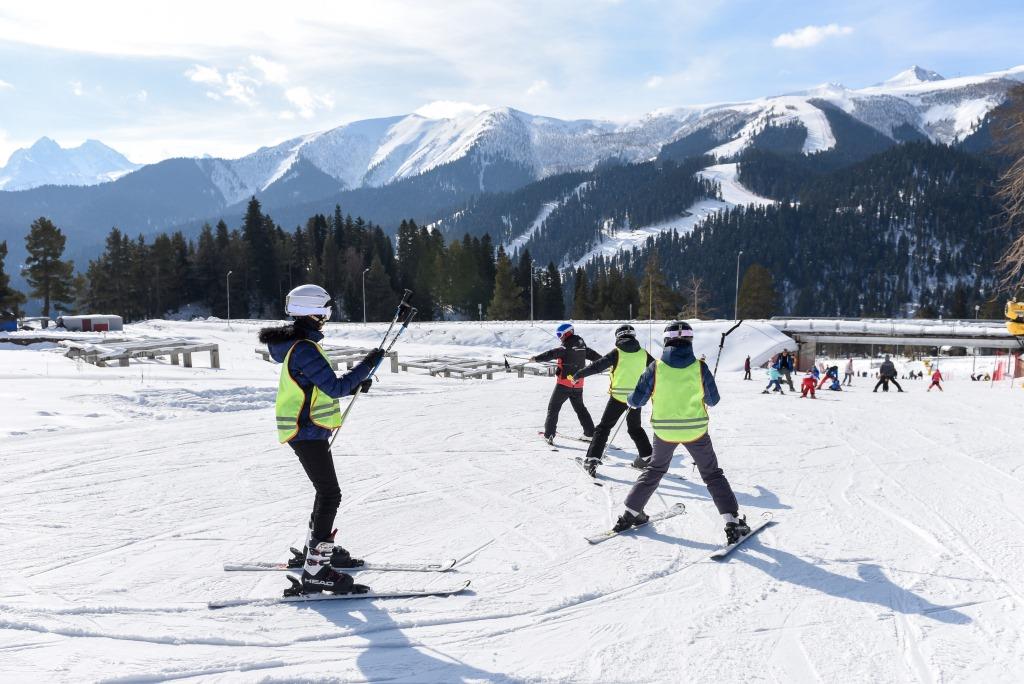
<point>337,356</point>
<point>177,350</point>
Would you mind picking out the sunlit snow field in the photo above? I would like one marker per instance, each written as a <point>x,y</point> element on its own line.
<point>897,557</point>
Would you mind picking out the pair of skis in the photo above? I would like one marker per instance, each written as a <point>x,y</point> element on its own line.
<point>678,509</point>
<point>299,597</point>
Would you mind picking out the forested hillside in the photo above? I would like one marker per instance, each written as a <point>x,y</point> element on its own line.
<point>911,230</point>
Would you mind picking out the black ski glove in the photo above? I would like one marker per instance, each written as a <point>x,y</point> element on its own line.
<point>365,385</point>
<point>374,357</point>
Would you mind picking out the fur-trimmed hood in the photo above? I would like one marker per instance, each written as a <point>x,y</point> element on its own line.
<point>279,339</point>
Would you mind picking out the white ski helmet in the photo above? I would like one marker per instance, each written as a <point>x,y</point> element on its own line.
<point>308,300</point>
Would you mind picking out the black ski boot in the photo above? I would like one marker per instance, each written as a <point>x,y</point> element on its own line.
<point>590,465</point>
<point>340,557</point>
<point>627,520</point>
<point>549,440</point>
<point>642,462</point>
<point>734,531</point>
<point>318,575</point>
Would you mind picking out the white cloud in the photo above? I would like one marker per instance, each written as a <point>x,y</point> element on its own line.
<point>273,72</point>
<point>449,109</point>
<point>4,85</point>
<point>537,87</point>
<point>307,102</point>
<point>236,85</point>
<point>76,88</point>
<point>241,87</point>
<point>142,95</point>
<point>809,36</point>
<point>654,81</point>
<point>204,74</point>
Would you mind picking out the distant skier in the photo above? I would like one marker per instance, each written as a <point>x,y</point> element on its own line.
<point>848,373</point>
<point>774,380</point>
<point>746,369</point>
<point>307,412</point>
<point>572,356</point>
<point>626,361</point>
<point>887,374</point>
<point>831,373</point>
<point>682,388</point>
<point>936,379</point>
<point>807,385</point>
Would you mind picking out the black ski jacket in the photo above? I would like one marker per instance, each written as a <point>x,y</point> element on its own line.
<point>572,356</point>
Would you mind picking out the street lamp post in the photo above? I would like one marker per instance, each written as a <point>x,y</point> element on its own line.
<point>227,286</point>
<point>364,294</point>
<point>736,301</point>
<point>531,291</point>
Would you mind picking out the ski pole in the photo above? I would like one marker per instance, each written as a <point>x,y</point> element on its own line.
<point>616,433</point>
<point>405,324</point>
<point>721,344</point>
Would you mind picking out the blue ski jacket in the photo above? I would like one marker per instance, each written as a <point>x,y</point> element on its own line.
<point>680,356</point>
<point>309,368</point>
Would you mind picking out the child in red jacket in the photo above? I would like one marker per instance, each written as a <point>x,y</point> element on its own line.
<point>807,385</point>
<point>936,379</point>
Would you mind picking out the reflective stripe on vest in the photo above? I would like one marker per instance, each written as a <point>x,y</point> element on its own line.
<point>679,411</point>
<point>628,369</point>
<point>324,411</point>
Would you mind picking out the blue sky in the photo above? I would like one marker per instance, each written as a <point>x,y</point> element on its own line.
<point>161,79</point>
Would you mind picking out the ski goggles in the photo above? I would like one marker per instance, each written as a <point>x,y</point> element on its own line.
<point>669,334</point>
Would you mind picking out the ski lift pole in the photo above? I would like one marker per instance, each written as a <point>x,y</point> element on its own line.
<point>721,344</point>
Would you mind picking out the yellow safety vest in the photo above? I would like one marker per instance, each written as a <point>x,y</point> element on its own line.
<point>628,369</point>
<point>679,411</point>
<point>324,411</point>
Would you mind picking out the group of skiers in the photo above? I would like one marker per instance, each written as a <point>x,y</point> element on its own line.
<point>681,387</point>
<point>781,367</point>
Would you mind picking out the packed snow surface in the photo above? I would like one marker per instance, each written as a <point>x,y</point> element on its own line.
<point>896,557</point>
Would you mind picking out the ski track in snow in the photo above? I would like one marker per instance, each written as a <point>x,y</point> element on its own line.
<point>895,557</point>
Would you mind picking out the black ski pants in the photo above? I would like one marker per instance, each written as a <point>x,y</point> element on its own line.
<point>316,460</point>
<point>884,384</point>
<point>575,397</point>
<point>746,374</point>
<point>702,451</point>
<point>612,412</point>
<point>788,377</point>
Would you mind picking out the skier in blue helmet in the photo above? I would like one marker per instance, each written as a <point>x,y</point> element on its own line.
<point>571,357</point>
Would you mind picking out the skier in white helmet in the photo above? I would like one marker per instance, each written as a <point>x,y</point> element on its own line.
<point>308,411</point>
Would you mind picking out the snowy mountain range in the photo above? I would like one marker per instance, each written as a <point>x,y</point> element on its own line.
<point>913,104</point>
<point>47,163</point>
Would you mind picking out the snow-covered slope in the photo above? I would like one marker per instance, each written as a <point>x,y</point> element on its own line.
<point>47,163</point>
<point>896,556</point>
<point>733,194</point>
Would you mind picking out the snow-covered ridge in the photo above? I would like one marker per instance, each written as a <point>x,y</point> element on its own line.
<point>379,151</point>
<point>47,163</point>
<point>375,152</point>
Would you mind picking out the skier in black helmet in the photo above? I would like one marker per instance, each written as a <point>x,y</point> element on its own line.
<point>308,411</point>
<point>627,362</point>
<point>682,388</point>
<point>571,356</point>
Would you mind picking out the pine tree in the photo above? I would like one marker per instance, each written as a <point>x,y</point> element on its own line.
<point>10,299</point>
<point>506,304</point>
<point>380,298</point>
<point>552,303</point>
<point>758,297</point>
<point>657,299</point>
<point>582,308</point>
<point>48,276</point>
